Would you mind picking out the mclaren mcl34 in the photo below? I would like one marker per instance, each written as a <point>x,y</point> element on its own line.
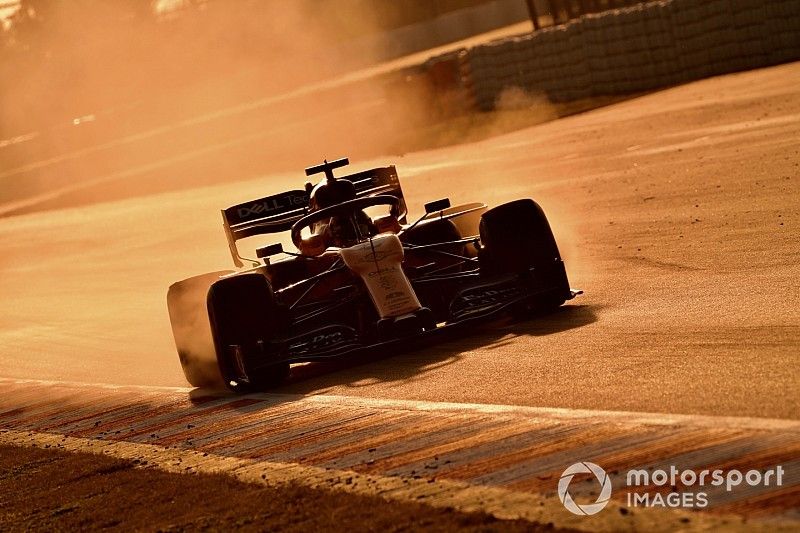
<point>361,277</point>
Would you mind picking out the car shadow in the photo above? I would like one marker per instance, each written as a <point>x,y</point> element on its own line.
<point>402,364</point>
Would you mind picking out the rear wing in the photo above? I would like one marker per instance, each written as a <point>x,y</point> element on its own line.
<point>277,213</point>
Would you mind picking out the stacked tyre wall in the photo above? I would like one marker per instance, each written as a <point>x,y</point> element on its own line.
<point>630,50</point>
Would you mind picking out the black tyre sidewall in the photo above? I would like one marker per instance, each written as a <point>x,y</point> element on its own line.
<point>516,236</point>
<point>242,310</point>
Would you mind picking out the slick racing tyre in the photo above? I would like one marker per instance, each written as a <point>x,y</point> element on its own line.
<point>516,239</point>
<point>245,321</point>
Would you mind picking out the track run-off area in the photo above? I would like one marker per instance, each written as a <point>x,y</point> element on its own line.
<point>676,213</point>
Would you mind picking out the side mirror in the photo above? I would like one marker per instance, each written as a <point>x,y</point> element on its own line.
<point>437,205</point>
<point>269,250</point>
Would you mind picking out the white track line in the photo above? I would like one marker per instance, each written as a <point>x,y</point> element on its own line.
<point>83,384</point>
<point>552,413</point>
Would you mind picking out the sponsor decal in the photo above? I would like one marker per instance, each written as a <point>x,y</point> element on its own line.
<point>484,297</point>
<point>377,256</point>
<point>273,204</point>
<point>323,339</point>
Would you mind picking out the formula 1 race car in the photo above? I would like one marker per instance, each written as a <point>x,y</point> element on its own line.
<point>357,281</point>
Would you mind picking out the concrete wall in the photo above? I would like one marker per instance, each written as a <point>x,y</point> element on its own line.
<point>634,49</point>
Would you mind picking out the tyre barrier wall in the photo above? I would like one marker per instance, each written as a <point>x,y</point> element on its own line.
<point>628,50</point>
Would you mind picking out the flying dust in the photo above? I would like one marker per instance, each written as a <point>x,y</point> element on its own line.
<point>107,100</point>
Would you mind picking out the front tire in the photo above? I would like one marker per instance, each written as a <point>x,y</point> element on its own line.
<point>515,238</point>
<point>245,321</point>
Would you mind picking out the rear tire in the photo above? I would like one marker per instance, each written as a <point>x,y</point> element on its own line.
<point>245,321</point>
<point>516,237</point>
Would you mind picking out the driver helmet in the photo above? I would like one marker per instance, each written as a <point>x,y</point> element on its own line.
<point>342,230</point>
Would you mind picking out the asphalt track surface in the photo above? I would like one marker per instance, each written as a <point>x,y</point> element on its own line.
<point>676,212</point>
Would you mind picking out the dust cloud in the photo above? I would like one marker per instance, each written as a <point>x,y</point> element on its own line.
<point>105,100</point>
<point>186,301</point>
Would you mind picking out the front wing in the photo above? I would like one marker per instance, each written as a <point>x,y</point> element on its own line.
<point>475,303</point>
